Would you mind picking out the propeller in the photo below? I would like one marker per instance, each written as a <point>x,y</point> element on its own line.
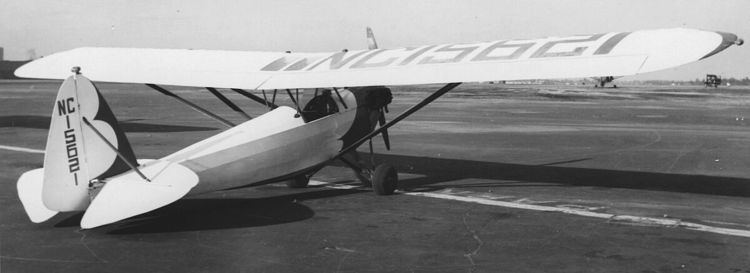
<point>381,121</point>
<point>378,99</point>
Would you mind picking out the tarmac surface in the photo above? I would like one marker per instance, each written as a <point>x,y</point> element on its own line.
<point>494,178</point>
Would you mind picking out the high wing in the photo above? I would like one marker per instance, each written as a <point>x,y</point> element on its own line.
<point>615,54</point>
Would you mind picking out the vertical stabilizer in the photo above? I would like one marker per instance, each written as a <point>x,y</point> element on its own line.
<point>371,43</point>
<point>75,154</point>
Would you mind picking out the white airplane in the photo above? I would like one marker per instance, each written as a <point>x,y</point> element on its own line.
<point>89,164</point>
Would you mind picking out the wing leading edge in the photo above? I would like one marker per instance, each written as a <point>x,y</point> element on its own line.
<point>617,54</point>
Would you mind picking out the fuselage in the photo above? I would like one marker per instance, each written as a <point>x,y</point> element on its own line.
<point>276,145</point>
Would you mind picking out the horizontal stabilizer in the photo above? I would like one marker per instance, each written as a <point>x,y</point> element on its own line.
<point>30,192</point>
<point>129,195</point>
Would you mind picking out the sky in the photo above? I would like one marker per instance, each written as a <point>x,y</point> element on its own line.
<point>48,26</point>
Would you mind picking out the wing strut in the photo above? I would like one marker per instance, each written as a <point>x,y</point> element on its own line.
<point>299,110</point>
<point>265,99</point>
<point>228,102</point>
<point>192,105</point>
<point>257,99</point>
<point>400,117</point>
<point>340,98</point>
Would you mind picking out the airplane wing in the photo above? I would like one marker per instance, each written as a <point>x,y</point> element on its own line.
<point>616,54</point>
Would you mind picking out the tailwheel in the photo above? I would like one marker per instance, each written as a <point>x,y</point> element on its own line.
<point>300,181</point>
<point>385,179</point>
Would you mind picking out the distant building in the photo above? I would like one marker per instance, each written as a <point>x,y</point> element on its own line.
<point>31,54</point>
<point>8,67</point>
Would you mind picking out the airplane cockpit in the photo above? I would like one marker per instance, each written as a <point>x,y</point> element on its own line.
<point>321,105</point>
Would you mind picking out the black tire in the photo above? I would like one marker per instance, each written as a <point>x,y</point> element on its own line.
<point>298,182</point>
<point>385,179</point>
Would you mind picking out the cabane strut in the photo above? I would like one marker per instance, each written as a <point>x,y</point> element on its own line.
<point>257,99</point>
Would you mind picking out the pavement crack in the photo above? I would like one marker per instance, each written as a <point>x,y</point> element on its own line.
<point>27,259</point>
<point>83,242</point>
<point>470,255</point>
<point>342,249</point>
<point>341,262</point>
<point>680,156</point>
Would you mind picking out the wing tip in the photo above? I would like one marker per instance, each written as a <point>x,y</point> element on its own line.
<point>727,40</point>
<point>40,68</point>
<point>23,70</point>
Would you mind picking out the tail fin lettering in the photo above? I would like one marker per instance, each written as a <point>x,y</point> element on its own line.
<point>75,154</point>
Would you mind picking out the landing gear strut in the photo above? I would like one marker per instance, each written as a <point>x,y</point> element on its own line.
<point>300,181</point>
<point>383,179</point>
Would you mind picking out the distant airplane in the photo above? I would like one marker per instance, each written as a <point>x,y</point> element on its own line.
<point>371,43</point>
<point>89,164</point>
<point>603,81</point>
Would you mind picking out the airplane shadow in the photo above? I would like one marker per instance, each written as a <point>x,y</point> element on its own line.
<point>437,170</point>
<point>42,122</point>
<point>195,214</point>
<point>223,213</point>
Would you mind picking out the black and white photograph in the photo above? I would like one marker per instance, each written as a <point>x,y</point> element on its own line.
<point>374,136</point>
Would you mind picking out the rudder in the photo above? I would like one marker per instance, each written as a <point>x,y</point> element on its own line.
<point>75,154</point>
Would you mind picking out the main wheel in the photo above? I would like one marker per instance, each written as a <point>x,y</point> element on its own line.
<point>298,182</point>
<point>385,179</point>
